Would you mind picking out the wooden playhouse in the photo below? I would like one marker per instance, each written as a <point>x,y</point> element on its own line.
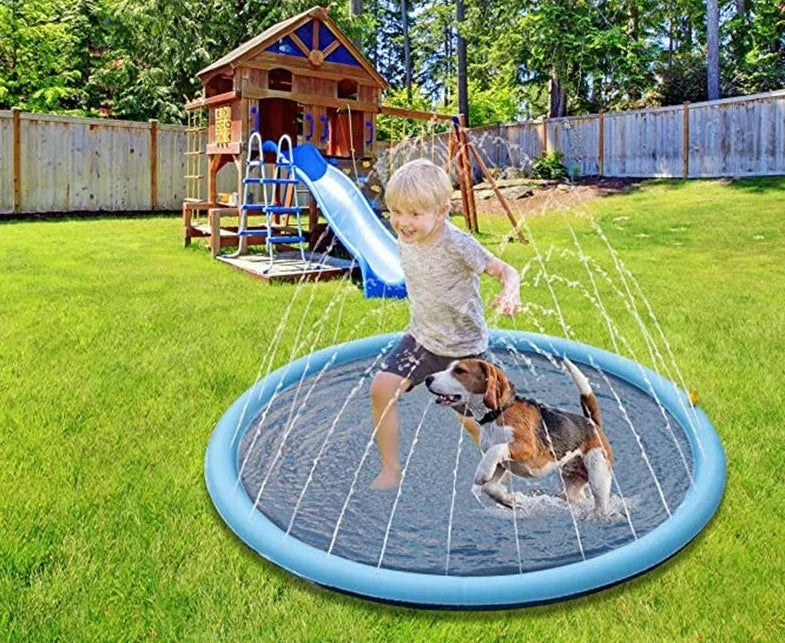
<point>304,78</point>
<point>307,80</point>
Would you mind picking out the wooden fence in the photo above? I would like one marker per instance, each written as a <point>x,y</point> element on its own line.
<point>65,164</point>
<point>742,136</point>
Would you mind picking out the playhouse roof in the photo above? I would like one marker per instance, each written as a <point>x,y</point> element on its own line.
<point>282,29</point>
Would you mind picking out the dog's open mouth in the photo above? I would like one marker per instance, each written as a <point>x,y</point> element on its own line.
<point>447,400</point>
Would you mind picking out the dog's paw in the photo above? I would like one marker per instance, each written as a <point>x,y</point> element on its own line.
<point>482,477</point>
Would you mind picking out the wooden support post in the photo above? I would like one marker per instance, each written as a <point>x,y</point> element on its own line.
<point>450,152</point>
<point>544,137</point>
<point>499,195</point>
<point>213,165</point>
<point>463,151</point>
<point>460,170</point>
<point>214,220</point>
<point>186,226</point>
<point>16,153</point>
<point>470,184</point>
<point>239,164</point>
<point>685,142</point>
<point>601,144</point>
<point>153,164</point>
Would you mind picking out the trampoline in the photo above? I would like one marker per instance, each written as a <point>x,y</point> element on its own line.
<point>289,465</point>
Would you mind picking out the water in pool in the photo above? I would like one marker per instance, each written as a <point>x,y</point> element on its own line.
<point>276,456</point>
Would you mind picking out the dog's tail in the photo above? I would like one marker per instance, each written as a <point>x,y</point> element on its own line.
<point>591,409</point>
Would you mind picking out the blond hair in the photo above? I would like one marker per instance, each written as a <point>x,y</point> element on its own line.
<point>418,186</point>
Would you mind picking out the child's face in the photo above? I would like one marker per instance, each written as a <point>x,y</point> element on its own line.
<point>418,226</point>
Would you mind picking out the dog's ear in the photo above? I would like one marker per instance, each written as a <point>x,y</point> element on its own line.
<point>498,387</point>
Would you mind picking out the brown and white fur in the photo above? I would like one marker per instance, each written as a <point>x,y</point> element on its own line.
<point>527,438</point>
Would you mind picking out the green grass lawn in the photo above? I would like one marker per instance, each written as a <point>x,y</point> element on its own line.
<point>119,351</point>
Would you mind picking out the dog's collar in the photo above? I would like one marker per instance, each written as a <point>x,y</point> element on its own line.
<point>490,416</point>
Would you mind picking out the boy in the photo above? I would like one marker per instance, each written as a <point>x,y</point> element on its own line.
<point>441,267</point>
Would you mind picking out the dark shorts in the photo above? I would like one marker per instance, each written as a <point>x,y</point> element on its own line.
<point>414,362</point>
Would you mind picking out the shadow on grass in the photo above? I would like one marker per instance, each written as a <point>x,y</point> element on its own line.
<point>609,186</point>
<point>758,185</point>
<point>751,185</point>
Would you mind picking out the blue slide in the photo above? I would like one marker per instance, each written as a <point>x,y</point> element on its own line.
<point>354,222</point>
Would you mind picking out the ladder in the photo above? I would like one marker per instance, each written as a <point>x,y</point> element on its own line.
<point>283,176</point>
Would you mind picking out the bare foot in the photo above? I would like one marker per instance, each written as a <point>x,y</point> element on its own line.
<point>386,479</point>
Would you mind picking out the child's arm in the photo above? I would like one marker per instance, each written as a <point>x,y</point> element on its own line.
<point>508,301</point>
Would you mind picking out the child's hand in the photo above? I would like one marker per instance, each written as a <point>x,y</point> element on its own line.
<point>507,303</point>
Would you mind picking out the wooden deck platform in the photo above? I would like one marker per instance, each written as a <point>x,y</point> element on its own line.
<point>289,266</point>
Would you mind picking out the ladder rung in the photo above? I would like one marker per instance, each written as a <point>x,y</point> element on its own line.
<point>251,232</point>
<point>286,239</point>
<point>284,209</point>
<point>281,181</point>
<point>274,209</point>
<point>251,179</point>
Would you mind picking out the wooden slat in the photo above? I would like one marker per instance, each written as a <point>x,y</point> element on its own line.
<point>331,48</point>
<point>389,110</point>
<point>228,148</point>
<point>311,99</point>
<point>16,137</point>
<point>213,100</point>
<point>300,44</point>
<point>327,70</point>
<point>153,164</point>
<point>601,144</point>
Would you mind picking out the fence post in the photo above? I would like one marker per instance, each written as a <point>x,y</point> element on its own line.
<point>601,144</point>
<point>685,142</point>
<point>498,146</point>
<point>543,136</point>
<point>16,153</point>
<point>153,164</point>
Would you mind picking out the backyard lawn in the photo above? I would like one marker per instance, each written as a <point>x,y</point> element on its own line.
<point>120,350</point>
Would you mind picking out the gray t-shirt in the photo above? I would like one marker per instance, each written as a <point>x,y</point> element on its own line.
<point>443,284</point>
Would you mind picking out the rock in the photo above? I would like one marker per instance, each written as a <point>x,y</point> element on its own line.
<point>512,172</point>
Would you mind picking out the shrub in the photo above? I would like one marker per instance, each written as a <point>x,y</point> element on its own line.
<point>549,166</point>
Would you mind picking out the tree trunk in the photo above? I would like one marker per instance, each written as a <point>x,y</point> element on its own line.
<point>463,85</point>
<point>557,95</point>
<point>355,10</point>
<point>448,64</point>
<point>633,26</point>
<point>712,49</point>
<point>407,53</point>
<point>376,55</point>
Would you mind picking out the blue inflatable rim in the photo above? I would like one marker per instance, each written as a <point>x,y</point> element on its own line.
<point>467,592</point>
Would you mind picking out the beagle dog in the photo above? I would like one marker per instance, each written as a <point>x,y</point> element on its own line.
<point>527,438</point>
